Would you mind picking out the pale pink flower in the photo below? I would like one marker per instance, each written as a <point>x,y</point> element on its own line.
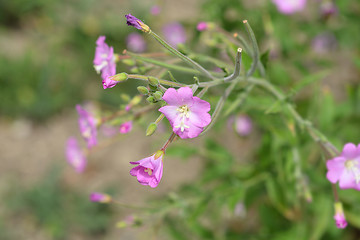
<point>202,26</point>
<point>188,115</point>
<point>135,42</point>
<point>149,170</point>
<point>125,127</point>
<point>100,197</point>
<point>87,125</point>
<point>243,125</point>
<point>174,34</point>
<point>155,10</point>
<point>75,156</point>
<point>345,168</point>
<point>289,6</point>
<point>339,216</point>
<point>104,60</point>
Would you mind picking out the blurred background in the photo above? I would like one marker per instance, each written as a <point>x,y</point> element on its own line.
<point>46,53</point>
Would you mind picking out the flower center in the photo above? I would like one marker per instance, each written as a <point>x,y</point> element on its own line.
<point>184,115</point>
<point>99,67</point>
<point>352,165</point>
<point>148,170</point>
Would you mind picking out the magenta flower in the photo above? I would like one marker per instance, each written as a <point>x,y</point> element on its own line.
<point>202,26</point>
<point>87,125</point>
<point>104,60</point>
<point>174,34</point>
<point>135,42</point>
<point>188,115</point>
<point>75,156</point>
<point>125,127</point>
<point>345,168</point>
<point>243,125</point>
<point>289,6</point>
<point>339,216</point>
<point>109,82</point>
<point>328,9</point>
<point>149,170</point>
<point>155,10</point>
<point>133,21</point>
<point>100,197</point>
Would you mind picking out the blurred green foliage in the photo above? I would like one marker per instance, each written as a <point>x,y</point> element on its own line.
<point>57,209</point>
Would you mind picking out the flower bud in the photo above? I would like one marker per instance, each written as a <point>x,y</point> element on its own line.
<point>158,95</point>
<point>143,90</point>
<point>153,81</point>
<point>150,99</point>
<point>339,217</point>
<point>120,77</point>
<point>100,197</point>
<point>151,129</point>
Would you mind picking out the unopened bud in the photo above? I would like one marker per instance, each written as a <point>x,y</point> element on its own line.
<point>150,99</point>
<point>120,77</point>
<point>158,95</point>
<point>153,81</point>
<point>143,90</point>
<point>100,197</point>
<point>151,129</point>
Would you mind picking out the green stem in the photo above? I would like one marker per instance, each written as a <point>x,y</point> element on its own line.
<point>256,55</point>
<point>220,105</point>
<point>181,56</point>
<point>162,81</point>
<point>237,68</point>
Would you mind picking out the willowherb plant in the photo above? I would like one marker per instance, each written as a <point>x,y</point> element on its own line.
<point>189,115</point>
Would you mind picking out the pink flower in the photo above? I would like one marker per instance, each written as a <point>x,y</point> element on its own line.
<point>155,10</point>
<point>150,169</point>
<point>100,197</point>
<point>104,60</point>
<point>345,168</point>
<point>125,127</point>
<point>75,156</point>
<point>339,217</point>
<point>174,34</point>
<point>135,42</point>
<point>87,125</point>
<point>289,6</point>
<point>243,125</point>
<point>188,115</point>
<point>202,26</point>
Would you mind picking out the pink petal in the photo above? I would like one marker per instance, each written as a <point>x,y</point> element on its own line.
<point>170,112</point>
<point>191,132</point>
<point>134,171</point>
<point>171,97</point>
<point>333,176</point>
<point>185,94</point>
<point>336,164</point>
<point>349,151</point>
<point>200,119</point>
<point>200,105</point>
<point>347,180</point>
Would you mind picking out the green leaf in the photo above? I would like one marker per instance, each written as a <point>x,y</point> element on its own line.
<point>264,58</point>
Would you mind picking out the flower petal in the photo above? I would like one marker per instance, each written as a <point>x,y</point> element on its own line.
<point>171,97</point>
<point>200,105</point>
<point>347,180</point>
<point>349,151</point>
<point>170,112</point>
